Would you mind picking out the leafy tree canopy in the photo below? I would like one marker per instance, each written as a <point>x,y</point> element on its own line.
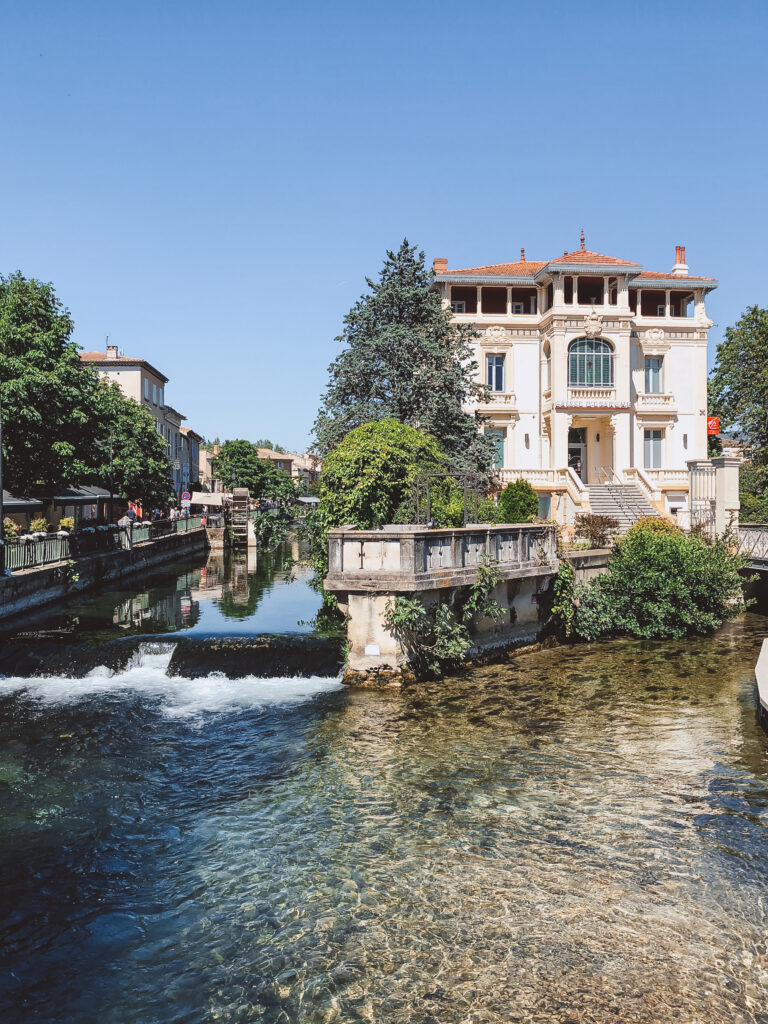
<point>49,399</point>
<point>739,382</point>
<point>238,465</point>
<point>269,444</point>
<point>405,360</point>
<point>367,477</point>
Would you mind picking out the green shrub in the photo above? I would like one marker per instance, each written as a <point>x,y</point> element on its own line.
<point>518,503</point>
<point>367,478</point>
<point>754,508</point>
<point>38,526</point>
<point>11,528</point>
<point>661,584</point>
<point>67,523</point>
<point>596,529</point>
<point>437,638</point>
<point>655,524</point>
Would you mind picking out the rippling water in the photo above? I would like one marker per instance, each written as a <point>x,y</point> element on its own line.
<point>577,835</point>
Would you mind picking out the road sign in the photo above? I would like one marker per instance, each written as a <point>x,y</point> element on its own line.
<point>186,496</point>
<point>713,425</point>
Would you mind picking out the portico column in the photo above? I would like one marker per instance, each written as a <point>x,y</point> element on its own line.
<point>479,299</point>
<point>558,296</point>
<point>621,459</point>
<point>606,291</point>
<point>639,310</point>
<point>509,302</point>
<point>666,303</point>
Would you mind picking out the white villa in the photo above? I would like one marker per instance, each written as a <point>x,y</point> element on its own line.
<point>597,373</point>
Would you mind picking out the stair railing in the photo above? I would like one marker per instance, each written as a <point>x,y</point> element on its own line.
<point>607,477</point>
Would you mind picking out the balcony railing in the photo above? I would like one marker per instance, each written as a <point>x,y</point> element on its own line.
<point>650,402</point>
<point>501,399</point>
<point>592,396</point>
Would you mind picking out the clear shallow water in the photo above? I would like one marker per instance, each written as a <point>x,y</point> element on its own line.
<point>577,835</point>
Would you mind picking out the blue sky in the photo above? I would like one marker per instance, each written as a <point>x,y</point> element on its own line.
<point>209,183</point>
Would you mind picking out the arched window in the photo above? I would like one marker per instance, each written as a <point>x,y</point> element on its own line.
<point>590,363</point>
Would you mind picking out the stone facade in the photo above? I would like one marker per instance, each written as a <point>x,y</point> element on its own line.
<point>597,370</point>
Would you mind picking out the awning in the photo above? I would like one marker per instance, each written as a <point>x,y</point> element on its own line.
<point>13,504</point>
<point>211,500</point>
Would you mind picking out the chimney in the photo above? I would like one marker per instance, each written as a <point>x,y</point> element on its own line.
<point>522,255</point>
<point>111,351</point>
<point>680,268</point>
<point>440,264</point>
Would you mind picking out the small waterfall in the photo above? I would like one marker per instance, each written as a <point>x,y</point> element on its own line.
<point>154,671</point>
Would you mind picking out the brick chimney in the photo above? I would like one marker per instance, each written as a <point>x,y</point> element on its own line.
<point>522,255</point>
<point>680,268</point>
<point>111,351</point>
<point>440,264</point>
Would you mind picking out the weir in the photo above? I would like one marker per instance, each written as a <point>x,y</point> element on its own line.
<point>367,569</point>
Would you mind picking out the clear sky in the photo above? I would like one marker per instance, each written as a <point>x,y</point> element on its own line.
<point>210,182</point>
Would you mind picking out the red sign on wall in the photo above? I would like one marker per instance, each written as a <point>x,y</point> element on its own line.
<point>713,425</point>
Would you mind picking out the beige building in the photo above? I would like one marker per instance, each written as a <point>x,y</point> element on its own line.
<point>596,371</point>
<point>305,466</point>
<point>141,381</point>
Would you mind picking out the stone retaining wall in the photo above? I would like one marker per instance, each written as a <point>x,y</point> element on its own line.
<point>32,589</point>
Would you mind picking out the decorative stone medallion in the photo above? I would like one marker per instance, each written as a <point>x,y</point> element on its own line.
<point>593,325</point>
<point>654,335</point>
<point>496,334</point>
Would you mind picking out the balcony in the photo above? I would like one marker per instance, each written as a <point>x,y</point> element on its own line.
<point>501,401</point>
<point>591,397</point>
<point>660,403</point>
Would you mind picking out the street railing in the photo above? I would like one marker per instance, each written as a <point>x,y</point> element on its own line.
<point>26,554</point>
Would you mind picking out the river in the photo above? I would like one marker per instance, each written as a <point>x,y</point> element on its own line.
<point>199,823</point>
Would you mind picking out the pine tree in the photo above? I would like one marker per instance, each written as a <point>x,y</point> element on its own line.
<point>404,359</point>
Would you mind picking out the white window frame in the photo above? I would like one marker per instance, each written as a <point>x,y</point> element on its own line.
<point>661,310</point>
<point>458,306</point>
<point>518,309</point>
<point>489,371</point>
<point>659,375</point>
<point>146,389</point>
<point>648,447</point>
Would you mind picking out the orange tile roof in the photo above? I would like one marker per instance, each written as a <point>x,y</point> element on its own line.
<point>105,360</point>
<point>583,256</point>
<point>653,274</point>
<point>523,268</point>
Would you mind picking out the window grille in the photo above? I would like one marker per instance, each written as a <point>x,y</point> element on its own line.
<point>590,362</point>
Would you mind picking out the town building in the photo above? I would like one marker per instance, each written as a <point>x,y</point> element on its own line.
<point>596,371</point>
<point>282,460</point>
<point>305,466</point>
<point>206,473</point>
<point>140,380</point>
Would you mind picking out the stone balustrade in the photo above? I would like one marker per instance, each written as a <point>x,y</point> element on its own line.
<point>410,558</point>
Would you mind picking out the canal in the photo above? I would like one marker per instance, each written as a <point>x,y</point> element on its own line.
<point>199,823</point>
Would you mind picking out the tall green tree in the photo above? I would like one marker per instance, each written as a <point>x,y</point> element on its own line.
<point>404,359</point>
<point>739,382</point>
<point>49,400</point>
<point>238,465</point>
<point>140,464</point>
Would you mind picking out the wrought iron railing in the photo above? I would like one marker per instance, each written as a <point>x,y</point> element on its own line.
<point>27,554</point>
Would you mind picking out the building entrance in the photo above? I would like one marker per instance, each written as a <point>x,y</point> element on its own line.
<point>577,451</point>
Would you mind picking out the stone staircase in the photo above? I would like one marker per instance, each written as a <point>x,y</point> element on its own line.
<point>624,502</point>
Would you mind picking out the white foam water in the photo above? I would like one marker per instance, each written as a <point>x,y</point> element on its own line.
<point>178,697</point>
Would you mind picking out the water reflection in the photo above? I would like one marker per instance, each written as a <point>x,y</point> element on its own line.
<point>580,834</point>
<point>224,593</point>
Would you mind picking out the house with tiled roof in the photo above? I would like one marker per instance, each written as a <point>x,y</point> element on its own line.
<point>596,371</point>
<point>140,380</point>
